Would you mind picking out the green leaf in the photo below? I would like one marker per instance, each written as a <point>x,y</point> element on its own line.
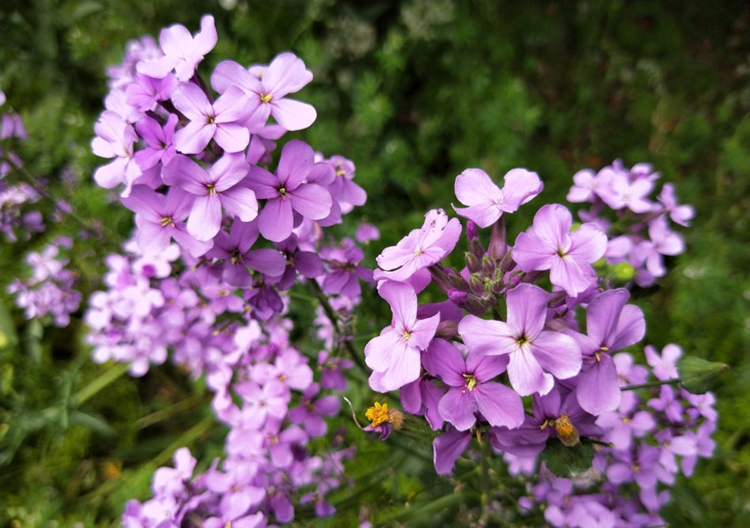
<point>32,340</point>
<point>94,423</point>
<point>8,334</point>
<point>568,461</point>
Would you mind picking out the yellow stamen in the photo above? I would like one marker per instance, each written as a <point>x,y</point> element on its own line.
<point>406,335</point>
<point>167,220</point>
<point>471,381</point>
<point>211,189</point>
<point>265,98</point>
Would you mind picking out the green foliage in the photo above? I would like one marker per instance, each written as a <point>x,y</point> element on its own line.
<point>568,462</point>
<point>413,92</point>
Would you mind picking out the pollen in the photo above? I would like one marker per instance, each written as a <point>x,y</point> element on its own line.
<point>211,189</point>
<point>167,220</point>
<point>471,381</point>
<point>282,192</point>
<point>265,98</point>
<point>406,335</point>
<point>378,415</point>
<point>566,431</point>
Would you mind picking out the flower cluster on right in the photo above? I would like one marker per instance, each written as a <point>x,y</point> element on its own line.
<point>531,350</point>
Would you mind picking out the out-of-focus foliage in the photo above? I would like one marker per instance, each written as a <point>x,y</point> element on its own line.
<point>413,92</point>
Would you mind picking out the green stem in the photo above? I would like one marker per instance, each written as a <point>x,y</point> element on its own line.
<point>102,382</point>
<point>333,317</point>
<point>170,411</point>
<point>650,384</point>
<point>484,476</point>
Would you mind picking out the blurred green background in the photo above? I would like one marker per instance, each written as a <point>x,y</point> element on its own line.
<point>413,92</point>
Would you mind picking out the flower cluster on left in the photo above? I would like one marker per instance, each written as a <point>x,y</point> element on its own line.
<point>225,226</point>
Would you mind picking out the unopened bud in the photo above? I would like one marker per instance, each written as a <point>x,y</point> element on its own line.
<point>507,263</point>
<point>471,231</point>
<point>488,266</point>
<point>472,262</point>
<point>476,283</point>
<point>697,375</point>
<point>498,244</point>
<point>457,296</point>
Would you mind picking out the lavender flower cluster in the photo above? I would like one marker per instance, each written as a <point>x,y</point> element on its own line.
<point>511,327</point>
<point>639,234</point>
<point>15,220</point>
<point>50,289</point>
<point>654,434</point>
<point>221,237</point>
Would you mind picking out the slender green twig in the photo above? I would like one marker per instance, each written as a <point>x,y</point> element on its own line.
<point>484,476</point>
<point>650,384</point>
<point>107,378</point>
<point>334,318</point>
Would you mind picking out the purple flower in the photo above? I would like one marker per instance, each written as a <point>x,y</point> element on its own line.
<point>234,249</point>
<point>208,121</point>
<point>549,245</point>
<point>680,214</point>
<point>663,242</point>
<point>535,355</point>
<point>346,193</point>
<point>624,424</point>
<point>286,192</point>
<point>160,147</point>
<point>182,51</point>
<point>312,409</point>
<point>267,88</point>
<point>422,397</point>
<point>366,233</point>
<point>115,138</point>
<point>664,366</point>
<point>214,188</point>
<point>421,248</point>
<point>446,449</point>
<point>394,355</point>
<point>344,270</point>
<point>146,92</point>
<point>668,404</point>
<point>587,185</point>
<point>486,201</point>
<point>471,388</point>
<point>611,325</point>
<point>623,192</point>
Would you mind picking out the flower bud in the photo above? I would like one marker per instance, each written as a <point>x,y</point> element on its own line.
<point>472,262</point>
<point>488,266</point>
<point>498,244</point>
<point>476,283</point>
<point>697,375</point>
<point>507,263</point>
<point>457,296</point>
